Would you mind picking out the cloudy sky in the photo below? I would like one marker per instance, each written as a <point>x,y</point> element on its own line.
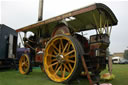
<point>20,13</point>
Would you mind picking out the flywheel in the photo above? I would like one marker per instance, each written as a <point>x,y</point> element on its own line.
<point>24,64</point>
<point>61,59</point>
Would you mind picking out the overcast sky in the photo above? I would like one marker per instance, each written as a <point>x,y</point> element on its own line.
<point>20,13</point>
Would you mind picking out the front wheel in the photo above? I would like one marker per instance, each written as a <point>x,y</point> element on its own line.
<point>24,64</point>
<point>61,59</point>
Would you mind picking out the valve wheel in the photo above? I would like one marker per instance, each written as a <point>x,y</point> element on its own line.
<point>24,64</point>
<point>61,59</point>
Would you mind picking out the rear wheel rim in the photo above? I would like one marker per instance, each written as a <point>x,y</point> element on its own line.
<point>60,59</point>
<point>24,64</point>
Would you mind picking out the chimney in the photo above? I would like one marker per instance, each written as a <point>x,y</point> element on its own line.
<point>40,11</point>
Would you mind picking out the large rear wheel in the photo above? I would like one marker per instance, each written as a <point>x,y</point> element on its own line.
<point>61,59</point>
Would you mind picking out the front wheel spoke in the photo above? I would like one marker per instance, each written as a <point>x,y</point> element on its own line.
<point>22,64</point>
<point>26,61</point>
<point>66,67</point>
<point>58,70</point>
<point>69,53</point>
<point>23,59</point>
<point>52,64</point>
<point>26,64</point>
<point>23,68</point>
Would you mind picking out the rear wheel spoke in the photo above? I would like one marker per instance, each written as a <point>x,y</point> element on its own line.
<point>55,47</point>
<point>54,52</point>
<point>73,56</point>
<point>63,74</point>
<point>51,55</point>
<point>70,66</point>
<point>52,64</point>
<point>61,70</point>
<point>69,53</point>
<point>68,48</point>
<point>72,61</point>
<point>65,48</point>
<point>61,42</point>
<point>56,66</point>
<point>66,67</point>
<point>59,48</point>
<point>58,70</point>
<point>53,60</point>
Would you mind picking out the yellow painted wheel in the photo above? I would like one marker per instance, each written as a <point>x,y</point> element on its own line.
<point>24,64</point>
<point>61,59</point>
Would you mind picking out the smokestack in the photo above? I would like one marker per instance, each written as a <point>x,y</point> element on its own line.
<point>40,11</point>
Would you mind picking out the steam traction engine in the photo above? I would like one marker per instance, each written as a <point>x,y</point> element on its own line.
<point>67,52</point>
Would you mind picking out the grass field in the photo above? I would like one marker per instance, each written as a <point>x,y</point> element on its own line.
<point>13,77</point>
